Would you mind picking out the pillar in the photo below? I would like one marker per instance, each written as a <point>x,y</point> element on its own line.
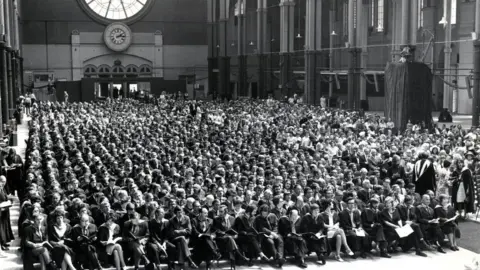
<point>241,50</point>
<point>447,49</point>
<point>158,64</point>
<point>4,83</point>
<point>287,19</point>
<point>7,23</point>
<point>413,27</point>
<point>361,42</point>
<point>262,47</point>
<point>313,45</point>
<point>13,66</point>
<point>20,71</point>
<point>224,90</point>
<point>10,82</point>
<point>212,46</point>
<point>404,34</point>
<point>353,97</point>
<point>331,44</point>
<point>476,69</point>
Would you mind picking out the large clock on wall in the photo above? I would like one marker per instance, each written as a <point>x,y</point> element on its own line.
<point>117,37</point>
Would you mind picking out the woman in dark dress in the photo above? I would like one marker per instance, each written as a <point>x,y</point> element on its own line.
<point>34,246</point>
<point>108,237</point>
<point>391,220</point>
<point>58,235</point>
<point>6,234</point>
<point>446,213</point>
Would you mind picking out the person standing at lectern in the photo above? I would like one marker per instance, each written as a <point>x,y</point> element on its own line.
<point>424,174</point>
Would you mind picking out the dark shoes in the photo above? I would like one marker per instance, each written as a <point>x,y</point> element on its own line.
<point>440,249</point>
<point>385,255</point>
<point>420,253</point>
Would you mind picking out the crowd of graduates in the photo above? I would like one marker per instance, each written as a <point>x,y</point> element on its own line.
<point>115,183</point>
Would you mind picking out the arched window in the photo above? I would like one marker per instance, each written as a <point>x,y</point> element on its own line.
<point>132,71</point>
<point>90,71</point>
<point>378,15</point>
<point>104,71</point>
<point>145,70</point>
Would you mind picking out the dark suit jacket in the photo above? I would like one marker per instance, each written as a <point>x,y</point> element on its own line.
<point>285,226</point>
<point>261,224</point>
<point>99,217</point>
<point>365,195</point>
<point>175,226</point>
<point>242,226</point>
<point>138,231</point>
<point>308,224</point>
<point>369,217</point>
<point>157,230</point>
<point>346,222</point>
<point>220,225</point>
<point>79,231</point>
<point>424,214</point>
<point>402,210</point>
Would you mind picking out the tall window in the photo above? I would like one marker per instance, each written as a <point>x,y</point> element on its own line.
<point>453,15</point>
<point>420,13</point>
<point>380,15</point>
<point>377,19</point>
<point>345,18</point>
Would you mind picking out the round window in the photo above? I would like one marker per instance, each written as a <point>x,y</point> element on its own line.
<point>116,10</point>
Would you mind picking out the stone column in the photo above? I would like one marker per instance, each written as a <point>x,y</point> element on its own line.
<point>212,46</point>
<point>287,19</point>
<point>7,22</point>
<point>9,81</point>
<point>77,65</point>
<point>405,30</point>
<point>13,66</point>
<point>447,92</point>
<point>361,42</point>
<point>20,70</point>
<point>413,27</point>
<point>4,83</point>
<point>158,64</point>
<point>241,50</point>
<point>353,96</point>
<point>313,45</point>
<point>224,90</point>
<point>15,25</point>
<point>262,47</point>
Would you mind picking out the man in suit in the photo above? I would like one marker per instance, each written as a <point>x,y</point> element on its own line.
<point>373,226</point>
<point>205,248</point>
<point>84,237</point>
<point>157,246</point>
<point>247,235</point>
<point>350,222</point>
<point>424,174</point>
<point>272,243</point>
<point>102,215</point>
<point>312,227</point>
<point>111,189</point>
<point>136,233</point>
<point>366,192</point>
<point>178,233</point>
<point>295,244</point>
<point>222,226</point>
<point>408,215</point>
<point>416,198</point>
<point>429,224</point>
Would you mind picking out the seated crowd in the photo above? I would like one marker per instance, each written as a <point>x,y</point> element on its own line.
<point>122,182</point>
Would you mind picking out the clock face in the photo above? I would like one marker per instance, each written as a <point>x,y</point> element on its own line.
<point>118,37</point>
